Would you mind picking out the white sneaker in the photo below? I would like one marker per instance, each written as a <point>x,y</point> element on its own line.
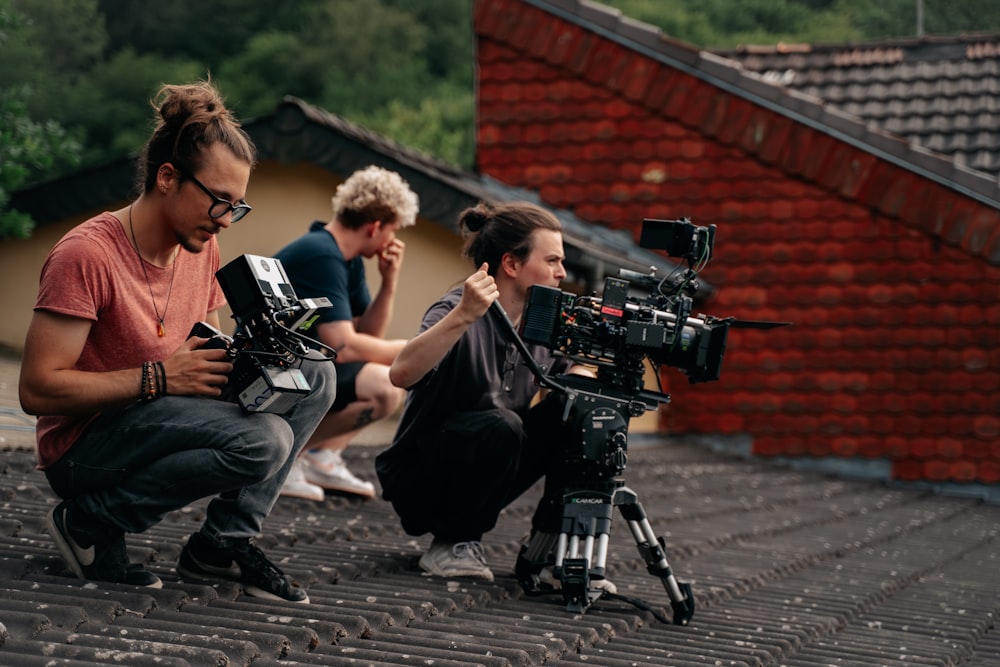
<point>297,486</point>
<point>547,576</point>
<point>326,468</point>
<point>456,559</point>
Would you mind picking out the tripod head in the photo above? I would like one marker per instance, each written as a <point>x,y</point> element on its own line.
<point>597,409</point>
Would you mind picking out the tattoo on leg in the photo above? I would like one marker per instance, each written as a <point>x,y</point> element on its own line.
<point>365,417</point>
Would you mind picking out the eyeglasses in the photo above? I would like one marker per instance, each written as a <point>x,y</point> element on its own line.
<point>222,206</point>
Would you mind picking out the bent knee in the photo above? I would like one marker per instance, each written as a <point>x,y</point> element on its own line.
<point>373,385</point>
<point>501,429</point>
<point>505,421</point>
<point>266,447</point>
<point>321,375</point>
<point>388,400</point>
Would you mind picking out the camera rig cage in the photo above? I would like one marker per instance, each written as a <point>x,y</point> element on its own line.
<point>270,340</point>
<point>616,333</point>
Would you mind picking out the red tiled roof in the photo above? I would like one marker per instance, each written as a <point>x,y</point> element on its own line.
<point>885,255</point>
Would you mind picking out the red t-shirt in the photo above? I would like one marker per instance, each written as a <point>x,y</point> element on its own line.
<point>94,273</point>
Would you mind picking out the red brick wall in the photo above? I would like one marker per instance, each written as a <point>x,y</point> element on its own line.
<point>894,351</point>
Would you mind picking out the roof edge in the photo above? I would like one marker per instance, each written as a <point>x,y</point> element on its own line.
<point>729,75</point>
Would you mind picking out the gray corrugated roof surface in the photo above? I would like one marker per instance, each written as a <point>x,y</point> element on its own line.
<point>788,568</point>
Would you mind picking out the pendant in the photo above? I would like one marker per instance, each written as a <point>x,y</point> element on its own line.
<point>160,331</point>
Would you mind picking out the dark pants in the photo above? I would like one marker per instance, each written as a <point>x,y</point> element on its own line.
<point>347,378</point>
<point>475,465</point>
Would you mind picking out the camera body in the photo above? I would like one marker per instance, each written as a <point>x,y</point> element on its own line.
<point>638,316</point>
<point>270,341</point>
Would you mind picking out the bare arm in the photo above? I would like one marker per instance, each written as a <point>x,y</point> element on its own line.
<point>352,345</point>
<point>213,319</point>
<point>49,385</point>
<point>422,353</point>
<point>375,320</point>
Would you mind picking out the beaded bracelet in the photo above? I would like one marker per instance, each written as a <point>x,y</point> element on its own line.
<point>154,381</point>
<point>144,380</point>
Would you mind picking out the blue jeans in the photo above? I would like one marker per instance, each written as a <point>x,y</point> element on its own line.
<point>132,466</point>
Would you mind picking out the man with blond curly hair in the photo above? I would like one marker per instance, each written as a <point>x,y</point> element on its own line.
<point>369,208</point>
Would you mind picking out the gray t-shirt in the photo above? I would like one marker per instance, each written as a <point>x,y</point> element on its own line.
<point>482,371</point>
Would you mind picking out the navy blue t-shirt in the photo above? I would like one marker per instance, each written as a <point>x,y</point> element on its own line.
<point>316,267</point>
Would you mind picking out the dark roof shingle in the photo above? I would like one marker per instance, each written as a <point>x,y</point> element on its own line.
<point>942,91</point>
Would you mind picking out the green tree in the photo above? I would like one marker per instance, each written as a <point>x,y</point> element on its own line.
<point>723,24</point>
<point>373,62</point>
<point>109,102</point>
<point>371,54</point>
<point>272,64</point>
<point>898,18</point>
<point>442,125</point>
<point>29,149</point>
<point>206,31</point>
<point>57,44</point>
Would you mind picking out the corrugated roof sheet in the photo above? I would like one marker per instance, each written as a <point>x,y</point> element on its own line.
<point>787,567</point>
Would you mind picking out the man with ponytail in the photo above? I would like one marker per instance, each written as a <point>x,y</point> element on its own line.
<point>469,441</point>
<point>127,430</point>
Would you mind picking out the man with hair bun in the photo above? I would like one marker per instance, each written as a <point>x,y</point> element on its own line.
<point>127,430</point>
<point>369,208</point>
<point>470,439</point>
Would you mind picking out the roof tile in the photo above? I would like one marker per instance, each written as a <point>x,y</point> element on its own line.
<point>603,63</point>
<point>563,46</point>
<point>991,249</point>
<point>739,115</point>
<point>822,199</point>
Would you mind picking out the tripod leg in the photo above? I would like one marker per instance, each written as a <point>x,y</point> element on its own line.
<point>586,526</point>
<point>652,550</point>
<point>535,556</point>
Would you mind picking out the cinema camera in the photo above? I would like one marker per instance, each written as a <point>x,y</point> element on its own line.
<point>616,333</point>
<point>270,340</point>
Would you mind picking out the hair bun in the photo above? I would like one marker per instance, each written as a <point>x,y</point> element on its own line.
<point>476,218</point>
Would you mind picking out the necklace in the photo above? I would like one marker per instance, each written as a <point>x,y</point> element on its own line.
<point>160,330</point>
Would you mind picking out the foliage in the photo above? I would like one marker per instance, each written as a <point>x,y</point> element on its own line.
<point>28,149</point>
<point>54,44</point>
<point>110,102</point>
<point>723,24</point>
<point>75,71</point>
<point>442,124</point>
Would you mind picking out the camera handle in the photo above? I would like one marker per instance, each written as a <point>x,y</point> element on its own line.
<point>587,515</point>
<point>522,347</point>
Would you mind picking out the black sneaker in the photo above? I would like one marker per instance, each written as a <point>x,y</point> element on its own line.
<point>240,561</point>
<point>98,555</point>
<point>137,575</point>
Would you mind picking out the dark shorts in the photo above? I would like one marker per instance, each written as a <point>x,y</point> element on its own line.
<point>347,375</point>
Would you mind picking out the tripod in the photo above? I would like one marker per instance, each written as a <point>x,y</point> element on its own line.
<point>596,413</point>
<point>578,553</point>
